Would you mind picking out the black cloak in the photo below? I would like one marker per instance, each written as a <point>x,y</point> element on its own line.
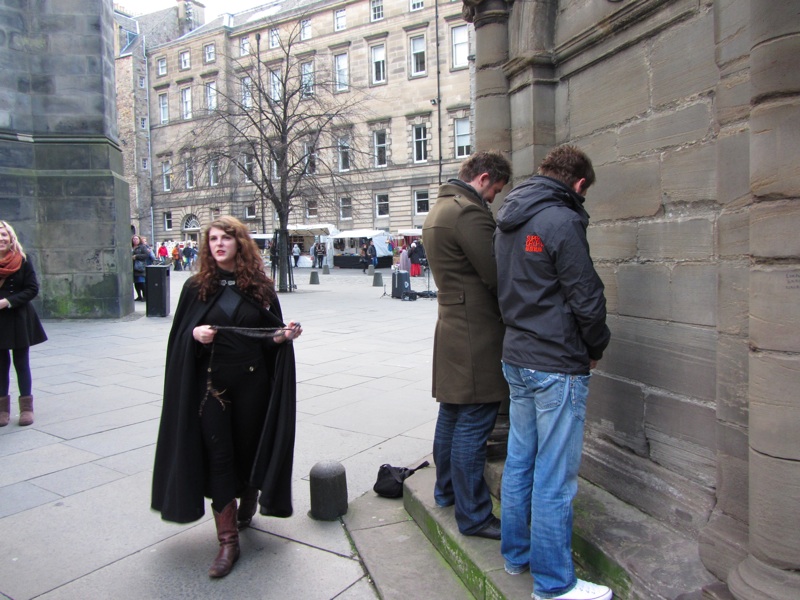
<point>180,470</point>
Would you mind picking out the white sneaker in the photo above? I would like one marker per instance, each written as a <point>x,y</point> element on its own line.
<point>583,590</point>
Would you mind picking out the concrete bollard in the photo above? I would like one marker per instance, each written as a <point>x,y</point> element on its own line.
<point>314,278</point>
<point>328,482</point>
<point>371,269</point>
<point>326,270</point>
<point>377,280</point>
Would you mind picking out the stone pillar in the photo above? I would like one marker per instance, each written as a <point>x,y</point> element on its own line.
<point>492,112</point>
<point>60,164</point>
<point>772,567</point>
<point>724,539</point>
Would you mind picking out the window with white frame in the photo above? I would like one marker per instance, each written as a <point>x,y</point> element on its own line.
<point>380,143</point>
<point>142,81</point>
<point>275,86</point>
<point>209,53</point>
<point>163,108</point>
<point>142,122</point>
<point>462,137</point>
<point>421,202</point>
<point>167,221</point>
<point>378,59</point>
<point>213,172</point>
<point>340,20</point>
<point>244,46</point>
<point>189,171</point>
<point>310,158</point>
<point>343,150</point>
<point>417,4</point>
<point>307,79</point>
<point>166,175</point>
<point>274,37</point>
<point>186,103</point>
<point>341,72</point>
<point>161,66</point>
<point>211,95</point>
<point>145,164</point>
<point>311,209</point>
<point>305,29</point>
<point>381,205</point>
<point>420,143</point>
<point>246,165</point>
<point>250,211</point>
<point>418,61</point>
<point>185,60</point>
<point>247,91</point>
<point>460,37</point>
<point>376,10</point>
<point>345,208</point>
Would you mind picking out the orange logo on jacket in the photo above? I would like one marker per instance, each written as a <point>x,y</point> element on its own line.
<point>533,243</point>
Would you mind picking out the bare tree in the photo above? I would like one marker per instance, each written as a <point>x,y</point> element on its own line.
<point>286,125</point>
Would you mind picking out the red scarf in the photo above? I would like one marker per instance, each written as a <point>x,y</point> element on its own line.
<point>9,265</point>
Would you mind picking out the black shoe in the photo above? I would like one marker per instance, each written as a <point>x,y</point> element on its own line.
<point>490,531</point>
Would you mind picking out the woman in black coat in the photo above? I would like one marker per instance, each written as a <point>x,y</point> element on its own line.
<point>20,327</point>
<point>141,256</point>
<point>228,415</point>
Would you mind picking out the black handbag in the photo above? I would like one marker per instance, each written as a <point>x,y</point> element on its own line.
<point>390,479</point>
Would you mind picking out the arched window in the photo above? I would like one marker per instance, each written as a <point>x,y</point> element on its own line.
<point>191,223</point>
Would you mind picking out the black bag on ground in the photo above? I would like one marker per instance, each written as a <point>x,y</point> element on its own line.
<point>390,479</point>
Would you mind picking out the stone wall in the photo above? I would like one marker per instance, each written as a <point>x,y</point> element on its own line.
<point>689,110</point>
<point>60,165</point>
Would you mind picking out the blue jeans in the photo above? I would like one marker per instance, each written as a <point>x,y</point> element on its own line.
<point>459,451</point>
<point>540,478</point>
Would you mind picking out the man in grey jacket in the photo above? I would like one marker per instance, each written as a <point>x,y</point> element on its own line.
<point>553,306</point>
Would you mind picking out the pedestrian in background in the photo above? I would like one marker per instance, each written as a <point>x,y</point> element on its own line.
<point>228,415</point>
<point>163,253</point>
<point>552,303</point>
<point>467,379</point>
<point>320,252</point>
<point>20,327</point>
<point>141,256</point>
<point>296,254</point>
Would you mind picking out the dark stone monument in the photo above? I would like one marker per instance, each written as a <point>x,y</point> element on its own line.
<point>61,180</point>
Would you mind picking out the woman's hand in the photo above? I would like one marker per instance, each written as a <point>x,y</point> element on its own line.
<point>290,332</point>
<point>4,303</point>
<point>204,334</point>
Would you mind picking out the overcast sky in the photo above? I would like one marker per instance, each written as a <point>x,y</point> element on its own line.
<point>213,7</point>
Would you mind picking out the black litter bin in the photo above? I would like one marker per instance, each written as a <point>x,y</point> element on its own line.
<point>157,285</point>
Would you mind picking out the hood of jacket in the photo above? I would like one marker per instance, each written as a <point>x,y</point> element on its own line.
<point>533,196</point>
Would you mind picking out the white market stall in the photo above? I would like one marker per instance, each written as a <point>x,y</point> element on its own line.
<point>310,233</point>
<point>347,247</point>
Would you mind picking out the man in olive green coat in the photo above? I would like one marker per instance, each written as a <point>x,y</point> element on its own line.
<point>468,380</point>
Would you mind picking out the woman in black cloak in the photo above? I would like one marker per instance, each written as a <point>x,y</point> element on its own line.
<point>228,416</point>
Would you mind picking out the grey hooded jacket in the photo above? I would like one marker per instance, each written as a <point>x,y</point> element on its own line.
<point>550,295</point>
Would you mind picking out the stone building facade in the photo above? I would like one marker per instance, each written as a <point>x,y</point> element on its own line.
<point>417,112</point>
<point>60,161</point>
<point>689,110</point>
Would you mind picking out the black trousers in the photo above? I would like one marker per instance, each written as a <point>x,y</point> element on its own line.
<point>232,423</point>
<point>21,366</point>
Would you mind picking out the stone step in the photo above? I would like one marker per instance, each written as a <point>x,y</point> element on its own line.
<point>400,560</point>
<point>613,544</point>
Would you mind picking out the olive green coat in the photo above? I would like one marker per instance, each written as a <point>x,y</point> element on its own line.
<point>468,343</point>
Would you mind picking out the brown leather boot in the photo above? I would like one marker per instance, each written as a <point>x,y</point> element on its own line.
<point>247,506</point>
<point>5,410</point>
<point>228,536</point>
<point>26,410</point>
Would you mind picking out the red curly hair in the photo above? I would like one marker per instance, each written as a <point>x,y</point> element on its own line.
<point>250,276</point>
